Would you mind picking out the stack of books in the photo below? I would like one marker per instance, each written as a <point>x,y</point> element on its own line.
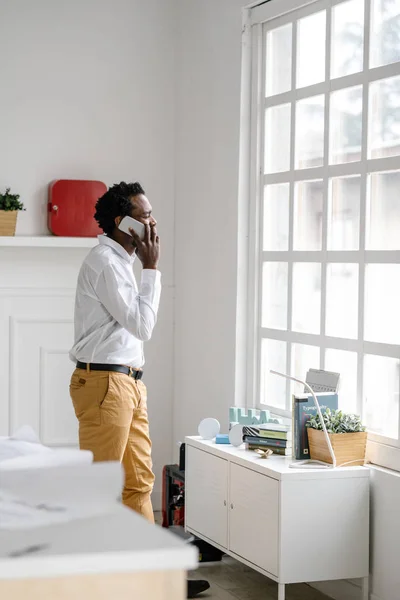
<point>303,409</point>
<point>274,436</point>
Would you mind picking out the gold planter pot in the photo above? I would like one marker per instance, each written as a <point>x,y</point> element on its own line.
<point>348,447</point>
<point>8,222</point>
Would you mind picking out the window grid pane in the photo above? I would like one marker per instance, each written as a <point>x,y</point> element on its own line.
<point>383,211</point>
<point>384,118</point>
<point>274,304</point>
<point>347,38</point>
<point>382,301</point>
<point>304,357</point>
<point>275,232</point>
<point>306,287</point>
<point>311,33</point>
<point>344,213</point>
<point>381,380</point>
<point>278,74</point>
<point>339,209</point>
<point>346,125</point>
<point>277,139</point>
<point>342,300</point>
<point>310,132</point>
<point>308,208</point>
<point>345,363</point>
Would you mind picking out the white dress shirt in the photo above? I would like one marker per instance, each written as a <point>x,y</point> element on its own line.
<point>112,316</point>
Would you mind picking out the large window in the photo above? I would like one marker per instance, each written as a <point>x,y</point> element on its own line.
<point>324,192</point>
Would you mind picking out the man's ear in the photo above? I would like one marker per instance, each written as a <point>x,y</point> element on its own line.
<point>117,221</point>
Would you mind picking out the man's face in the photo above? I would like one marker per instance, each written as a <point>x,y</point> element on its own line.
<point>142,210</point>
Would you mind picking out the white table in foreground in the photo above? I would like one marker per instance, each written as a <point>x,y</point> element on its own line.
<point>291,525</point>
<point>116,555</point>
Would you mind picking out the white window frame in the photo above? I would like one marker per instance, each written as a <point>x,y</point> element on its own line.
<point>383,451</point>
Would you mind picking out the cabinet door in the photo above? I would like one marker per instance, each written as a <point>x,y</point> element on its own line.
<point>206,491</point>
<point>253,517</point>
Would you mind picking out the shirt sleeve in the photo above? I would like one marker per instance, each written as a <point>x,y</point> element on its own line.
<point>135,310</point>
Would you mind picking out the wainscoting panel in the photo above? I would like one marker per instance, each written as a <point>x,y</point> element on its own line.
<point>58,424</point>
<point>36,333</point>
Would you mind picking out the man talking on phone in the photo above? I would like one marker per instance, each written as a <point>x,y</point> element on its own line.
<point>114,316</point>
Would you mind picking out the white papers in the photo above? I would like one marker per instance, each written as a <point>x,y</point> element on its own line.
<point>27,434</point>
<point>11,447</point>
<point>23,450</point>
<point>57,457</point>
<point>44,496</point>
<point>15,513</point>
<point>41,486</point>
<point>24,442</point>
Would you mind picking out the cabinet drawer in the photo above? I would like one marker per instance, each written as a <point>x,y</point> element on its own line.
<point>206,495</point>
<point>254,517</point>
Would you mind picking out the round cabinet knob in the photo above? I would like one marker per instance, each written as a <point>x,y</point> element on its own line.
<point>224,502</point>
<point>55,208</point>
<point>231,505</point>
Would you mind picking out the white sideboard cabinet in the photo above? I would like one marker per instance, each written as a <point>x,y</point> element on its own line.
<point>291,525</point>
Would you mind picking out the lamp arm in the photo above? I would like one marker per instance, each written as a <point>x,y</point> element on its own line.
<point>317,406</point>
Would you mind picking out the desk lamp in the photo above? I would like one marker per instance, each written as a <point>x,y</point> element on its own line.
<point>312,464</point>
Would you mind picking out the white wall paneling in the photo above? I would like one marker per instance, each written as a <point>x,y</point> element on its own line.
<point>36,332</point>
<point>39,378</point>
<point>58,424</point>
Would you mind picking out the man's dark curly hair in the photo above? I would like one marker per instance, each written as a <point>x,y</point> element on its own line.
<point>116,202</point>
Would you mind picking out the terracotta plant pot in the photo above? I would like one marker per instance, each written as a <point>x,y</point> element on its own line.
<point>348,447</point>
<point>8,222</point>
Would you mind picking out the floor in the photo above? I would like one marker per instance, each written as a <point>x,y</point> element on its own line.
<point>231,580</point>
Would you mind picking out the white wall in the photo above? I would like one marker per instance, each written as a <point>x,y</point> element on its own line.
<point>88,91</point>
<point>208,108</point>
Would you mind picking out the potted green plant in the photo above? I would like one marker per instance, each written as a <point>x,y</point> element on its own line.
<point>347,434</point>
<point>9,207</point>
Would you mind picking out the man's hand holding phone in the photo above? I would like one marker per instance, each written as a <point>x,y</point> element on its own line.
<point>148,248</point>
<point>145,239</point>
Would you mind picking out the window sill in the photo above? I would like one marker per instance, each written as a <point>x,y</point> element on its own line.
<point>381,455</point>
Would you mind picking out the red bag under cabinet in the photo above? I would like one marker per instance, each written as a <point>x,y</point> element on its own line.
<point>72,207</point>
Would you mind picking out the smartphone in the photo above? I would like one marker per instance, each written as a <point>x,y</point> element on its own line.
<point>129,223</point>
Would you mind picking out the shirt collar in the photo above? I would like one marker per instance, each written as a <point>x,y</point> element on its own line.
<point>107,241</point>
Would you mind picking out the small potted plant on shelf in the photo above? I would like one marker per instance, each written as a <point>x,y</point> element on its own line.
<point>9,207</point>
<point>347,434</point>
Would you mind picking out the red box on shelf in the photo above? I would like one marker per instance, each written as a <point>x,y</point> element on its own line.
<point>71,207</point>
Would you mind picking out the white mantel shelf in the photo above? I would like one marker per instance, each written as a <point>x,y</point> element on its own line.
<point>46,241</point>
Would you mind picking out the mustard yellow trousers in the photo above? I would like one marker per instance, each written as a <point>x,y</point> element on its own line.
<point>113,424</point>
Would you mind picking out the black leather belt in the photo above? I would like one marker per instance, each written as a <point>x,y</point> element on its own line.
<point>135,373</point>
